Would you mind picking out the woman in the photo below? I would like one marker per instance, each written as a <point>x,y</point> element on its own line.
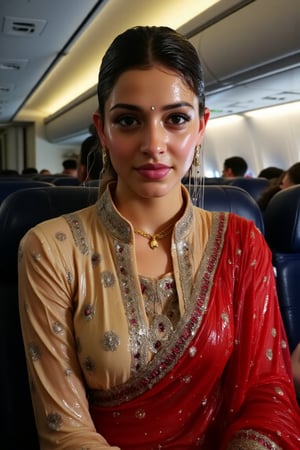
<point>150,323</point>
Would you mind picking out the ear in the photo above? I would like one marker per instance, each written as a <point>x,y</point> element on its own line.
<point>99,124</point>
<point>202,124</point>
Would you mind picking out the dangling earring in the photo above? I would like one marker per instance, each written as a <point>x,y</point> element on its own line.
<point>104,157</point>
<point>195,183</point>
<point>197,158</point>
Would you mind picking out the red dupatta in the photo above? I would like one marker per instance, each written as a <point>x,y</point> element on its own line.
<point>224,382</point>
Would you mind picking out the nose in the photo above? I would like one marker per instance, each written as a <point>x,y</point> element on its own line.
<point>154,139</point>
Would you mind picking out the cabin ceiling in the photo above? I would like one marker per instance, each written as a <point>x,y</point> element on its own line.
<point>50,49</point>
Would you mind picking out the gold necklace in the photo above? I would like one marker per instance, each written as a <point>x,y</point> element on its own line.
<point>154,238</point>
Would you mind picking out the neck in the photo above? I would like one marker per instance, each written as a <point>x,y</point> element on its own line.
<point>150,215</point>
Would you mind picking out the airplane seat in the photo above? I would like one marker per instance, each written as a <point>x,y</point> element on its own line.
<point>92,183</point>
<point>282,232</point>
<point>66,181</point>
<point>233,199</point>
<point>18,212</point>
<point>7,186</point>
<point>255,186</point>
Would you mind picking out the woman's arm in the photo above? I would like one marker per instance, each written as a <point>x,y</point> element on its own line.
<point>46,284</point>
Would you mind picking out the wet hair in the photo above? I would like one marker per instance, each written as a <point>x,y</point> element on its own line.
<point>143,47</point>
<point>237,164</point>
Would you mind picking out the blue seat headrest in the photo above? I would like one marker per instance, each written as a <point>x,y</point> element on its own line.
<point>255,186</point>
<point>7,186</point>
<point>282,221</point>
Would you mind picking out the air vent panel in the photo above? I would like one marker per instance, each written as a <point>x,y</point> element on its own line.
<point>6,88</point>
<point>12,64</point>
<point>20,26</point>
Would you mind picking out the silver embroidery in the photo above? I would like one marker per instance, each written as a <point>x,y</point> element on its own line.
<point>34,351</point>
<point>107,279</point>
<point>269,354</point>
<point>54,421</point>
<point>60,236</point>
<point>88,312</point>
<point>78,232</point>
<point>57,327</point>
<point>110,341</point>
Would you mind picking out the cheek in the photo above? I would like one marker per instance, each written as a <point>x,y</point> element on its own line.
<point>186,150</point>
<point>120,153</point>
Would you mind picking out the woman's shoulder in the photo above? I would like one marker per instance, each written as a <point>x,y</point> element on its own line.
<point>63,224</point>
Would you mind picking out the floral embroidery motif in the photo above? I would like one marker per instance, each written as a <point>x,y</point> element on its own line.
<point>96,259</point>
<point>269,354</point>
<point>57,327</point>
<point>192,351</point>
<point>36,256</point>
<point>140,414</point>
<point>252,440</point>
<point>34,351</point>
<point>54,421</point>
<point>60,236</point>
<point>107,279</point>
<point>88,312</point>
<point>110,341</point>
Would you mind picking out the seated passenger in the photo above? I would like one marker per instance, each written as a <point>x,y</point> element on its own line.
<point>70,167</point>
<point>289,178</point>
<point>235,166</point>
<point>149,322</point>
<point>90,159</point>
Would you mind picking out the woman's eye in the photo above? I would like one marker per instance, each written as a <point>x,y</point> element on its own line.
<point>178,119</point>
<point>126,121</point>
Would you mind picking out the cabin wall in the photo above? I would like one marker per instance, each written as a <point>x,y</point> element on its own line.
<point>50,156</point>
<point>263,138</point>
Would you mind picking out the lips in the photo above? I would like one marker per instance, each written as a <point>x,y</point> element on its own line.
<point>153,171</point>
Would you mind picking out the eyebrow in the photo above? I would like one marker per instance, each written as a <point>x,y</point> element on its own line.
<point>164,108</point>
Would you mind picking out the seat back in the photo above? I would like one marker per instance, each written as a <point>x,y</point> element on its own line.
<point>282,232</point>
<point>19,212</point>
<point>254,186</point>
<point>233,199</point>
<point>66,181</point>
<point>7,186</point>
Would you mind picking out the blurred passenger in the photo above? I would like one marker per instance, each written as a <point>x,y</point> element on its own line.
<point>70,167</point>
<point>271,173</point>
<point>29,171</point>
<point>288,178</point>
<point>90,160</point>
<point>45,172</point>
<point>235,166</point>
<point>291,176</point>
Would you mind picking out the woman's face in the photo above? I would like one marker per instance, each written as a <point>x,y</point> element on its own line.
<point>151,128</point>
